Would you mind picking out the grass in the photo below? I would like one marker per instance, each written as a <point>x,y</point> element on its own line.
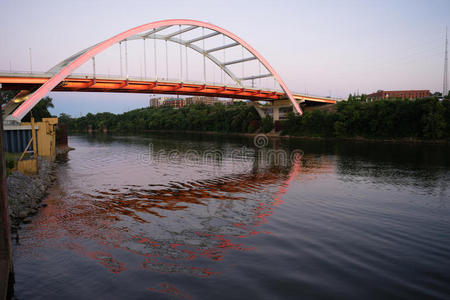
<point>12,156</point>
<point>11,161</point>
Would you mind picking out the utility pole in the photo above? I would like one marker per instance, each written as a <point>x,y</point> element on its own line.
<point>445,86</point>
<point>31,62</point>
<point>6,262</point>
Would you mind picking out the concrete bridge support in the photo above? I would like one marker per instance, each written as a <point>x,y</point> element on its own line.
<point>276,113</point>
<point>259,110</point>
<point>274,108</point>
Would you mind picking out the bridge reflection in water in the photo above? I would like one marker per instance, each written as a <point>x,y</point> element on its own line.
<point>169,228</point>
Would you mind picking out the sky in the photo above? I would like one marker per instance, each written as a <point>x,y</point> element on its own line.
<point>328,48</point>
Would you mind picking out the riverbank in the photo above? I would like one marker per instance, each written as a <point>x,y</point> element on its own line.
<point>26,192</point>
<point>276,135</point>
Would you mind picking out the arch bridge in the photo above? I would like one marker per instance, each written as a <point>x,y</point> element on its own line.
<point>189,34</point>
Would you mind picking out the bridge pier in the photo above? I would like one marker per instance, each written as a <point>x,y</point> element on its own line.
<point>276,113</point>
<point>275,110</point>
<point>259,110</point>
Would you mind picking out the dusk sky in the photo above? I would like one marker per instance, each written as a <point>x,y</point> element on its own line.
<point>320,47</point>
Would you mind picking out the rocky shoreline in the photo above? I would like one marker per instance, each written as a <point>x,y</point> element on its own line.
<point>25,193</point>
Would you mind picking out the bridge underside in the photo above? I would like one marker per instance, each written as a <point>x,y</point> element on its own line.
<point>108,85</point>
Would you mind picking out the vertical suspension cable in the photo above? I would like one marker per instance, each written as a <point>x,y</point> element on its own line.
<point>181,55</point>
<point>222,73</point>
<point>93,67</point>
<point>224,52</point>
<point>242,48</point>
<point>120,47</point>
<point>126,58</point>
<point>187,73</point>
<point>204,55</point>
<point>259,70</point>
<point>145,61</point>
<point>154,54</point>
<point>167,63</point>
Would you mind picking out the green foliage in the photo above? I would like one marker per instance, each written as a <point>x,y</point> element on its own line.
<point>313,123</point>
<point>267,124</point>
<point>40,110</point>
<point>197,117</point>
<point>426,118</point>
<point>422,119</point>
<point>11,159</point>
<point>357,98</point>
<point>10,164</point>
<point>5,96</point>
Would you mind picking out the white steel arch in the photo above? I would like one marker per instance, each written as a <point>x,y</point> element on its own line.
<point>148,31</point>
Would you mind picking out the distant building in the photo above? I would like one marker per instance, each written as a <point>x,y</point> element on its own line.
<point>174,102</point>
<point>202,99</point>
<point>158,102</point>
<point>178,102</point>
<point>407,94</point>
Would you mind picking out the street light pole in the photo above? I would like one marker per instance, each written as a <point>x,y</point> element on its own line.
<point>6,262</point>
<point>31,62</point>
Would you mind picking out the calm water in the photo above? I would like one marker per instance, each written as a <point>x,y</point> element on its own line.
<point>204,217</point>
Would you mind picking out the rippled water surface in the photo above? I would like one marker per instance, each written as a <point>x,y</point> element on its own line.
<point>205,217</point>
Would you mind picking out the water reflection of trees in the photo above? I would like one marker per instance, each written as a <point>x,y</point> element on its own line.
<point>423,165</point>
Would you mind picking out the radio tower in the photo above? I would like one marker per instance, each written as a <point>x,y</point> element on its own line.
<point>445,87</point>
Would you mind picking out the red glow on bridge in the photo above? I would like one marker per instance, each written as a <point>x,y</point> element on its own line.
<point>105,85</point>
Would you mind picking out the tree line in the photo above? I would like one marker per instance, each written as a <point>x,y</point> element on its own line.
<point>427,118</point>
<point>238,117</point>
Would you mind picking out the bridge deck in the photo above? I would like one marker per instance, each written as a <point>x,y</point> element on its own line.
<point>76,83</point>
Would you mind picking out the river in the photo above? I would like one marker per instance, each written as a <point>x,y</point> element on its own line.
<point>163,216</point>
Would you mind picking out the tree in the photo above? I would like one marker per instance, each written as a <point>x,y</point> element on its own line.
<point>64,118</point>
<point>40,110</point>
<point>6,96</point>
<point>267,124</point>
